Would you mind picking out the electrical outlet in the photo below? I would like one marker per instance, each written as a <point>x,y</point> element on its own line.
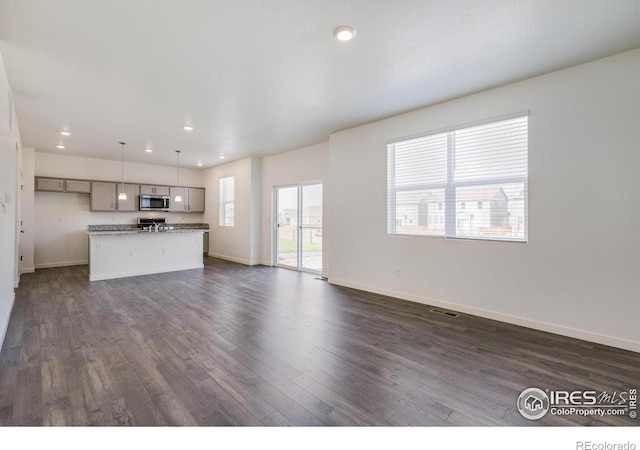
<point>398,273</point>
<point>131,253</point>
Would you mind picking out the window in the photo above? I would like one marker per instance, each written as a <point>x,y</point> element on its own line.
<point>227,201</point>
<point>485,165</point>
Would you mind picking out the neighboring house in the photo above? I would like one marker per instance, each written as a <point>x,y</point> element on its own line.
<point>516,211</point>
<point>312,215</point>
<point>480,211</point>
<point>289,217</point>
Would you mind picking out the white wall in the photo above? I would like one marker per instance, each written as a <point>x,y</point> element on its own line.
<point>27,217</point>
<point>60,165</point>
<point>237,243</point>
<point>61,219</point>
<point>579,273</point>
<point>9,163</point>
<point>297,166</point>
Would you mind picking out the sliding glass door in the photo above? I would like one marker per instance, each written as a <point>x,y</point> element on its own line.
<point>287,230</point>
<point>298,225</point>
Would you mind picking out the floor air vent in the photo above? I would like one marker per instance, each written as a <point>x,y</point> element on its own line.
<point>442,312</point>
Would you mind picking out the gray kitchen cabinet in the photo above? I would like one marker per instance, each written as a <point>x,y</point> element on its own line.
<point>131,203</point>
<point>196,200</point>
<point>192,200</point>
<point>62,185</point>
<point>179,206</point>
<point>50,184</point>
<point>146,189</point>
<point>103,196</point>
<point>81,186</point>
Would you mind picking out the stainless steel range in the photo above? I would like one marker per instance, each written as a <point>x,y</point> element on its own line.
<point>155,222</point>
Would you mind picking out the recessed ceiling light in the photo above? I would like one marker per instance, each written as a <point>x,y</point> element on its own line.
<point>199,163</point>
<point>148,150</point>
<point>344,33</point>
<point>65,133</point>
<point>60,146</point>
<point>187,128</point>
<point>221,156</point>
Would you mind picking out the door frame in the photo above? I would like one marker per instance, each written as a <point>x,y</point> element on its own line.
<point>275,237</point>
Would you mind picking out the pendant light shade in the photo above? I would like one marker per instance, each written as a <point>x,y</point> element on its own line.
<point>122,195</point>
<point>178,197</point>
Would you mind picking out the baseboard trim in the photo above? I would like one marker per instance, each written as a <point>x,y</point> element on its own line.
<point>61,264</point>
<point>5,326</point>
<point>230,258</point>
<point>562,330</point>
<point>27,270</point>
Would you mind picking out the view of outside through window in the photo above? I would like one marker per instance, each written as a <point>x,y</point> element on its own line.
<point>468,183</point>
<point>227,202</point>
<point>299,235</point>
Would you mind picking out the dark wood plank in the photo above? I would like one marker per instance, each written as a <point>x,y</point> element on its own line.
<point>201,404</point>
<point>238,345</point>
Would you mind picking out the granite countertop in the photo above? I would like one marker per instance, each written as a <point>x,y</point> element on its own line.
<point>104,230</point>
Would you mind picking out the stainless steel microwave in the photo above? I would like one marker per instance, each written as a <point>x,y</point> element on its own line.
<point>154,203</point>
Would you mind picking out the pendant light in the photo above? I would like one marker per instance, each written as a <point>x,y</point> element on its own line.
<point>122,195</point>
<point>178,197</point>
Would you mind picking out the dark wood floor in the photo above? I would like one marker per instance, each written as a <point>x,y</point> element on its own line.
<point>237,345</point>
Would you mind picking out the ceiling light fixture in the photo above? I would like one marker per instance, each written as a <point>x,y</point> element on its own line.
<point>199,163</point>
<point>344,33</point>
<point>122,195</point>
<point>221,156</point>
<point>60,146</point>
<point>187,128</point>
<point>178,197</point>
<point>148,150</point>
<point>65,133</point>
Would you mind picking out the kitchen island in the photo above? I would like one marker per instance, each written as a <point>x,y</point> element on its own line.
<point>128,252</point>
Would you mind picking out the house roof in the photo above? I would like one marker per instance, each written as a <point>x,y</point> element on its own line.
<point>470,194</point>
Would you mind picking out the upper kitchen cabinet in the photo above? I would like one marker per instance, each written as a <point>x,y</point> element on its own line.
<point>62,185</point>
<point>192,200</point>
<point>179,206</point>
<point>81,186</point>
<point>50,184</point>
<point>103,196</point>
<point>196,200</point>
<point>131,203</point>
<point>146,189</point>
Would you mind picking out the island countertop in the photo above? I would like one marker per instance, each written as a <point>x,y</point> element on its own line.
<point>116,229</point>
<point>117,251</point>
<point>141,231</point>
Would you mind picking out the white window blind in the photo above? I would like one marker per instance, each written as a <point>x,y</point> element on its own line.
<point>227,201</point>
<point>464,183</point>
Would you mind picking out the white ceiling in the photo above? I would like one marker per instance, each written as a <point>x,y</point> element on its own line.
<point>257,77</point>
